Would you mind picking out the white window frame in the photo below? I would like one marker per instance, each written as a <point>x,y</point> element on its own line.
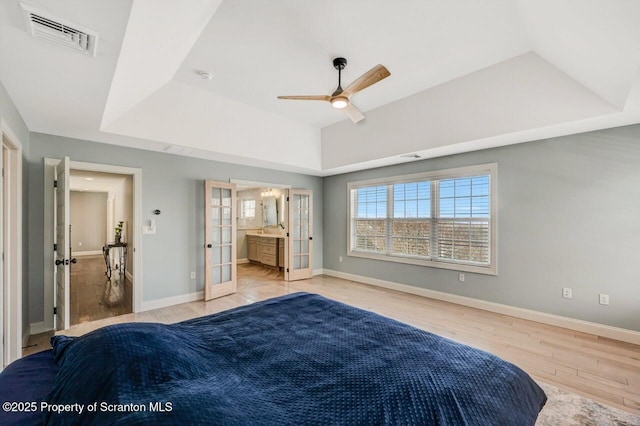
<point>491,169</point>
<point>243,210</point>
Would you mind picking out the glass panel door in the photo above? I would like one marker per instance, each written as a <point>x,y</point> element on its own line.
<point>300,240</point>
<point>220,243</point>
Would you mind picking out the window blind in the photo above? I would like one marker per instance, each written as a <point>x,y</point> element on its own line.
<point>434,219</point>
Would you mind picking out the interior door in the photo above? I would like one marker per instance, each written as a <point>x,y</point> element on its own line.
<point>220,239</point>
<point>63,251</point>
<point>299,239</point>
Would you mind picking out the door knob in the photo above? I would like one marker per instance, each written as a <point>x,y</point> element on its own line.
<point>209,246</point>
<point>59,262</point>
<point>74,260</point>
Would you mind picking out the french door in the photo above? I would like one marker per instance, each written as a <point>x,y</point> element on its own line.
<point>299,242</point>
<point>220,239</point>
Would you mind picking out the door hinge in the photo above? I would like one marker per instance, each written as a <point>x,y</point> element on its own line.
<point>287,234</point>
<point>55,183</point>
<point>55,310</point>
<point>287,269</point>
<point>287,199</point>
<point>55,247</point>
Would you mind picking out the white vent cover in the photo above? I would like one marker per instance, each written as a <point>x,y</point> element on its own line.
<point>44,26</point>
<point>180,150</point>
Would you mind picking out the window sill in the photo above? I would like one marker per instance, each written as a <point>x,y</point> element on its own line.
<point>485,270</point>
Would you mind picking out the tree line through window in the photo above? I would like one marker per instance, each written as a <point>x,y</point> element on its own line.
<point>434,219</point>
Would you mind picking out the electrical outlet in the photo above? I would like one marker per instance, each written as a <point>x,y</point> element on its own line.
<point>340,258</point>
<point>193,275</point>
<point>461,277</point>
<point>567,293</point>
<point>604,299</point>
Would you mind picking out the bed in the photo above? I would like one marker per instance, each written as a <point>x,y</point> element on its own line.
<point>292,360</point>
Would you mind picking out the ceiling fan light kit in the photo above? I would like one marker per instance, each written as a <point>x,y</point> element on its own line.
<point>341,99</point>
<point>339,102</point>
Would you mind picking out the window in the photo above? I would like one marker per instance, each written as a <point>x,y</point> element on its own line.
<point>248,209</point>
<point>442,219</point>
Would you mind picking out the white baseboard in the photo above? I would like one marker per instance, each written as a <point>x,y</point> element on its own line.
<point>318,272</point>
<point>38,327</point>
<point>128,275</point>
<point>87,253</point>
<point>603,330</point>
<point>170,301</point>
<point>240,261</point>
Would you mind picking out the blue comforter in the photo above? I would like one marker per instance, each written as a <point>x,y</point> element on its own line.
<point>294,360</point>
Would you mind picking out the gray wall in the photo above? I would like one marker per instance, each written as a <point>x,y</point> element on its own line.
<point>170,183</point>
<point>569,216</point>
<point>242,247</point>
<point>10,114</point>
<point>88,214</point>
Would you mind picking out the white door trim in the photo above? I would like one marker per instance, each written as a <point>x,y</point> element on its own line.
<point>14,338</point>
<point>49,164</point>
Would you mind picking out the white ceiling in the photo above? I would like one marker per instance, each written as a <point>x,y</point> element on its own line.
<point>80,180</point>
<point>465,75</point>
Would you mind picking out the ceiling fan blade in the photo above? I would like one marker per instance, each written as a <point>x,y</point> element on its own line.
<point>354,113</point>
<point>372,76</point>
<point>308,98</point>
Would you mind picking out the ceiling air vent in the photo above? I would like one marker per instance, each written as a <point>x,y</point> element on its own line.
<point>179,150</point>
<point>414,156</point>
<point>47,27</point>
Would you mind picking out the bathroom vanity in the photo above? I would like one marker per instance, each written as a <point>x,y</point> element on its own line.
<point>266,249</point>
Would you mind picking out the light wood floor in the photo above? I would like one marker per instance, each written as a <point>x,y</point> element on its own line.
<point>602,369</point>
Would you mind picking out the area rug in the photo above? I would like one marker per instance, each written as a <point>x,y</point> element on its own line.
<point>567,408</point>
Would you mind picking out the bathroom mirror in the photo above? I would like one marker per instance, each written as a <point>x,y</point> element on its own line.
<point>280,205</point>
<point>269,211</point>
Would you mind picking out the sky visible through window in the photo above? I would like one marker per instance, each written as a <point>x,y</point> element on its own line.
<point>459,197</point>
<point>372,202</point>
<point>464,197</point>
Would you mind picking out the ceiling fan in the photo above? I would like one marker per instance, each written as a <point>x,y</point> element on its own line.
<point>340,98</point>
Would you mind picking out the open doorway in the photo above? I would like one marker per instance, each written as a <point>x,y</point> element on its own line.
<point>261,219</point>
<point>101,271</point>
<point>58,262</point>
<point>274,231</point>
